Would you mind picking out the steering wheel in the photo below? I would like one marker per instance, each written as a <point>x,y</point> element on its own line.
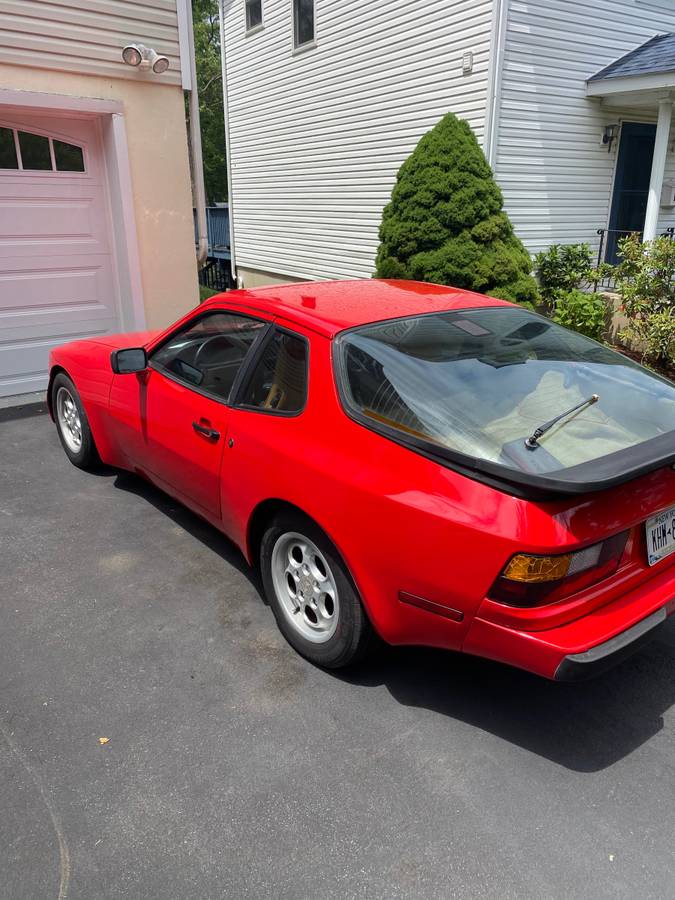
<point>227,339</point>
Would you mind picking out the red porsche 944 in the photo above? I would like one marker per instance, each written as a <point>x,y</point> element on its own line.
<point>422,463</point>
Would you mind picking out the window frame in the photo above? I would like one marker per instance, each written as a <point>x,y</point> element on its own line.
<point>254,29</point>
<point>306,45</point>
<point>42,173</point>
<point>247,375</point>
<point>243,368</point>
<point>598,474</point>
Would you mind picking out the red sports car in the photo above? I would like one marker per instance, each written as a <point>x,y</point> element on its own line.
<point>422,463</point>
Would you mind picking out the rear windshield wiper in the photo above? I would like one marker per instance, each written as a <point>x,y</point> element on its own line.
<point>533,441</point>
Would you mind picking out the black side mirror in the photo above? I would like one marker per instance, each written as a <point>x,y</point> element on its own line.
<point>128,361</point>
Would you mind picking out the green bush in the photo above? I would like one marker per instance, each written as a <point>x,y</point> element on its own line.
<point>561,268</point>
<point>585,313</point>
<point>645,279</point>
<point>445,221</point>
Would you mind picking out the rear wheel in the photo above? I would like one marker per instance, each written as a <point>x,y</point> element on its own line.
<point>72,424</point>
<point>311,593</point>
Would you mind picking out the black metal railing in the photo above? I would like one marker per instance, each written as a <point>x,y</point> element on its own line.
<point>608,250</point>
<point>216,275</point>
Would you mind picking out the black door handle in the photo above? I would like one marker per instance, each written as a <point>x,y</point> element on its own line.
<point>210,433</point>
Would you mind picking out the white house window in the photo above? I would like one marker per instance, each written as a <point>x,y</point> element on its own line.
<point>253,14</point>
<point>30,152</point>
<point>303,22</point>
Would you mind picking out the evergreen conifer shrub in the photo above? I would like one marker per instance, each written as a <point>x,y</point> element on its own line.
<point>445,221</point>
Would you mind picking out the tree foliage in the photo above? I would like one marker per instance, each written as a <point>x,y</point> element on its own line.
<point>445,221</point>
<point>210,85</point>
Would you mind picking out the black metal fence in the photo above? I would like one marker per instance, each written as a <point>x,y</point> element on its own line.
<point>608,251</point>
<point>216,275</point>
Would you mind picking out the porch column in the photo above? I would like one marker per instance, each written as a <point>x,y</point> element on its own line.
<point>658,168</point>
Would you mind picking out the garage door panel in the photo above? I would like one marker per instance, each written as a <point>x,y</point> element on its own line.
<point>55,284</point>
<point>24,358</point>
<point>57,272</point>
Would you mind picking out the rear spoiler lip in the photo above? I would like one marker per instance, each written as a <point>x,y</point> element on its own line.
<point>600,474</point>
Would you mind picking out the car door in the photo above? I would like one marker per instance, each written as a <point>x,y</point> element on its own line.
<point>181,405</point>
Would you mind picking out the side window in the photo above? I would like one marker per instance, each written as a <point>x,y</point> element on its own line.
<point>279,380</point>
<point>254,14</point>
<point>303,22</point>
<point>209,353</point>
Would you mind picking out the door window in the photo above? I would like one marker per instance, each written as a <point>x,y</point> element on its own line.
<point>279,380</point>
<point>208,354</point>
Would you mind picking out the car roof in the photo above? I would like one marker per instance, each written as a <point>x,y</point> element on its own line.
<point>332,306</point>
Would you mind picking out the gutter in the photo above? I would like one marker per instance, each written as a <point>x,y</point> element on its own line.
<point>197,158</point>
<point>228,150</point>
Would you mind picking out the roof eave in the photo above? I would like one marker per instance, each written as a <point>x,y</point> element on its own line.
<point>630,84</point>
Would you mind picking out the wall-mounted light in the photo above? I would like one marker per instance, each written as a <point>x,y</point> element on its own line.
<point>609,135</point>
<point>145,58</point>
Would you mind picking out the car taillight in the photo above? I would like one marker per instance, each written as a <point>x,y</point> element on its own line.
<point>529,580</point>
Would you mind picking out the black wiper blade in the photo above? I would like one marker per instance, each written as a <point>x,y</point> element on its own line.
<point>533,441</point>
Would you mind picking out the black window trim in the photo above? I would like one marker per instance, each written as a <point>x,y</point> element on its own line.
<point>585,478</point>
<point>250,367</point>
<point>243,368</point>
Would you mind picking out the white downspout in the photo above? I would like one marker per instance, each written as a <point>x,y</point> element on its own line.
<point>228,150</point>
<point>658,168</point>
<point>495,75</point>
<point>196,148</point>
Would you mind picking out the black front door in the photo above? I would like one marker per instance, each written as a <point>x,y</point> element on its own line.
<point>631,185</point>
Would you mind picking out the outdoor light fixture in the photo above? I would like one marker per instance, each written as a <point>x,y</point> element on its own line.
<point>145,58</point>
<point>609,135</point>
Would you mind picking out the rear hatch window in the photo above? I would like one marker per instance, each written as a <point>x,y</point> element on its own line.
<point>475,386</point>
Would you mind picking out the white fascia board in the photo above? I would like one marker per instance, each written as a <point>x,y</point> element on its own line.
<point>605,87</point>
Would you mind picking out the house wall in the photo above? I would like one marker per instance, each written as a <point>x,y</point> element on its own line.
<point>555,174</point>
<point>87,36</point>
<point>317,136</point>
<point>158,158</point>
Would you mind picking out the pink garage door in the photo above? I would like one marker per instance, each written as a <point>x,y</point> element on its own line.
<point>57,273</point>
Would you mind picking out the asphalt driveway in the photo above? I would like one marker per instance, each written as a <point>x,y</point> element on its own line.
<point>235,769</point>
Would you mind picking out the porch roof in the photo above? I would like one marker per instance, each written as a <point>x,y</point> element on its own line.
<point>640,77</point>
<point>656,55</point>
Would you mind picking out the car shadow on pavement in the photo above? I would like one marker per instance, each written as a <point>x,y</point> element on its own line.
<point>192,523</point>
<point>585,727</point>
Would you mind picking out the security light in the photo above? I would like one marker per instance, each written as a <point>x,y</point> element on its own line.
<point>132,55</point>
<point>145,58</point>
<point>159,63</point>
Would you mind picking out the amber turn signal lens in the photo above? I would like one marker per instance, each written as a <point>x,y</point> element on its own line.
<point>537,569</point>
<point>529,580</point>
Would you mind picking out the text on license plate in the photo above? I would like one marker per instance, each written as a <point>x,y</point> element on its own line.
<point>660,536</point>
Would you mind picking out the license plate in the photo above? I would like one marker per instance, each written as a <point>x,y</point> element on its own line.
<point>660,536</point>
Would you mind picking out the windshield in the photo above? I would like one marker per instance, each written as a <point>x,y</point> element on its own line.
<point>481,382</point>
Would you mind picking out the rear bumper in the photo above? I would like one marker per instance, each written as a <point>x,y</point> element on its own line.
<point>580,666</point>
<point>589,645</point>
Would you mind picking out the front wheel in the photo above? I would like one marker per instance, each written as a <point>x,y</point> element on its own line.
<point>311,593</point>
<point>72,424</point>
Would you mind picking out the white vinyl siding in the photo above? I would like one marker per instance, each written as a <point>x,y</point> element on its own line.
<point>317,137</point>
<point>87,36</point>
<point>556,175</point>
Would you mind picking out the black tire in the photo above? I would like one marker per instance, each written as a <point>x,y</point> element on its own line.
<point>353,634</point>
<point>87,456</point>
